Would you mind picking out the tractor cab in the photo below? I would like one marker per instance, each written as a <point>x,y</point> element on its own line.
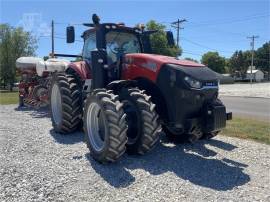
<point>116,39</point>
<point>105,45</point>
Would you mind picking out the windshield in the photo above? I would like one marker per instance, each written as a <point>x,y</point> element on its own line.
<point>89,45</point>
<point>119,43</point>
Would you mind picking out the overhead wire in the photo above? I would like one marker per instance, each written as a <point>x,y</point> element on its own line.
<point>228,21</point>
<point>203,46</point>
<point>60,37</point>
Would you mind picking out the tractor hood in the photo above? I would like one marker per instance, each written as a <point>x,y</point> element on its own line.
<point>161,60</point>
<point>184,67</point>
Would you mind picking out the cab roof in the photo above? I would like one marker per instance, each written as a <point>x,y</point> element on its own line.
<point>120,26</point>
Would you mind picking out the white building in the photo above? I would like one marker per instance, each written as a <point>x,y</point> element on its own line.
<point>257,75</point>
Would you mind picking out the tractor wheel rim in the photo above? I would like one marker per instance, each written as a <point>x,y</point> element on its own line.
<point>41,92</point>
<point>56,104</point>
<point>95,124</point>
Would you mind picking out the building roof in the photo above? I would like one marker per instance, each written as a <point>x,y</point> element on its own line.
<point>254,71</point>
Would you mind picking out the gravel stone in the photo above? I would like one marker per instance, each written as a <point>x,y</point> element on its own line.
<point>37,164</point>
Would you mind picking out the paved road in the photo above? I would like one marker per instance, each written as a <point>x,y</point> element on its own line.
<point>258,108</point>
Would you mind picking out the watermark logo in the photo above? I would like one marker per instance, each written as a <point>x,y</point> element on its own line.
<point>32,22</point>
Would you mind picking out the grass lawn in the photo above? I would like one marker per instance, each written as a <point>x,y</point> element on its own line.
<point>7,97</point>
<point>248,129</point>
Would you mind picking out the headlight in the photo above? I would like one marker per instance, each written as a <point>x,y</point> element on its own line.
<point>193,83</point>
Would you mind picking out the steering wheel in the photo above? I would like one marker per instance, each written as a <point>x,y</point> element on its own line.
<point>121,49</point>
<point>117,51</point>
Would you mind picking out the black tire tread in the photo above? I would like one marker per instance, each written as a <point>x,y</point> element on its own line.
<point>151,127</point>
<point>116,126</point>
<point>71,103</point>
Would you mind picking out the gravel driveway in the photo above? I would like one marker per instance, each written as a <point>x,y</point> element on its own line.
<point>37,164</point>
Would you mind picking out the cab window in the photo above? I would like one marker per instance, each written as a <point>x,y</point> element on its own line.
<point>120,43</point>
<point>89,45</point>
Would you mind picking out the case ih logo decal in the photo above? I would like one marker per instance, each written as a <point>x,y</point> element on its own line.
<point>150,65</point>
<point>210,84</point>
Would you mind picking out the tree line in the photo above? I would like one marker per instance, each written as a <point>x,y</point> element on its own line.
<point>239,61</point>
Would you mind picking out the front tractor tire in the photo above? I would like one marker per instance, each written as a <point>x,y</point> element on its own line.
<point>65,103</point>
<point>105,126</point>
<point>143,124</point>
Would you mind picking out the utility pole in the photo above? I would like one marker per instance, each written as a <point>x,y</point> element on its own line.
<point>252,54</point>
<point>52,35</point>
<point>177,25</point>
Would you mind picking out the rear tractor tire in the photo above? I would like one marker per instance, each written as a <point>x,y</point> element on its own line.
<point>105,126</point>
<point>143,125</point>
<point>65,103</point>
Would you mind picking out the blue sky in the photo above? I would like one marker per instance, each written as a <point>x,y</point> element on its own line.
<point>211,25</point>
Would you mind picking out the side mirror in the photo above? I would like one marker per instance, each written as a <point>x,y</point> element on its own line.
<point>70,34</point>
<point>170,39</point>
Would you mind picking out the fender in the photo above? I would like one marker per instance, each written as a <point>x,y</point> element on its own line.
<point>117,85</point>
<point>81,68</point>
<point>150,89</point>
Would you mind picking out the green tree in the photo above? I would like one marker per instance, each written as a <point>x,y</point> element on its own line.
<point>262,57</point>
<point>239,62</point>
<point>191,59</point>
<point>214,61</point>
<point>45,58</point>
<point>227,66</point>
<point>159,40</point>
<point>77,59</point>
<point>247,60</point>
<point>14,43</point>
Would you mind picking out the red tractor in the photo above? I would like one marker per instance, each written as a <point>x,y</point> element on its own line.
<point>124,95</point>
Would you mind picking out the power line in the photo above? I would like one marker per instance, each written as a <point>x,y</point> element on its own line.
<point>205,47</point>
<point>228,21</point>
<point>191,53</point>
<point>221,31</point>
<point>59,37</point>
<point>68,23</point>
<point>222,21</point>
